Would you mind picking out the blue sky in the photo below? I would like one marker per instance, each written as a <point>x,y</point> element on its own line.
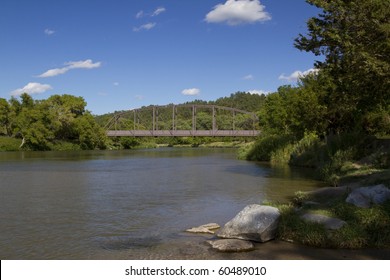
<point>123,54</point>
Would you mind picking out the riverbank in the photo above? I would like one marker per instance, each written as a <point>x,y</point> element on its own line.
<point>363,227</point>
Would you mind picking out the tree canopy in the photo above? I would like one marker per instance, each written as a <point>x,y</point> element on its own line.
<point>354,39</point>
<point>41,123</point>
<point>350,91</point>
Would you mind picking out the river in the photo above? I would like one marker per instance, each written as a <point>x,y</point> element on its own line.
<point>128,204</point>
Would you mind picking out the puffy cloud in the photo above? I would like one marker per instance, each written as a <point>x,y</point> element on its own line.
<point>147,26</point>
<point>84,64</point>
<point>191,91</point>
<point>158,11</point>
<point>235,12</point>
<point>49,32</point>
<point>293,77</point>
<point>258,91</point>
<point>32,88</point>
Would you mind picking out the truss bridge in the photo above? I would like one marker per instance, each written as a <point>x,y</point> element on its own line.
<point>183,120</point>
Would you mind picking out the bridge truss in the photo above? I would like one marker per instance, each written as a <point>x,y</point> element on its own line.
<point>233,122</point>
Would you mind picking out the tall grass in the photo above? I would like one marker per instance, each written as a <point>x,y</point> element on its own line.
<point>365,227</point>
<point>328,156</point>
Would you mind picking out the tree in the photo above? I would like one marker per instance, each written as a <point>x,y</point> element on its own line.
<point>90,135</point>
<point>5,111</point>
<point>354,38</point>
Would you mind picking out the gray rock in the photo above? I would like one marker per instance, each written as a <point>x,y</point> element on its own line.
<point>208,228</point>
<point>255,222</point>
<point>327,222</point>
<point>231,245</point>
<point>364,197</point>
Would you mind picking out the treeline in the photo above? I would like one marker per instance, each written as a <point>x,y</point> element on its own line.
<point>59,122</point>
<point>332,115</point>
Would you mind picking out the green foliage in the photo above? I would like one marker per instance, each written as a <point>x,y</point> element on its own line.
<point>43,124</point>
<point>293,110</point>
<point>293,228</point>
<point>9,144</point>
<point>354,38</point>
<point>242,100</point>
<point>366,227</point>
<point>266,146</point>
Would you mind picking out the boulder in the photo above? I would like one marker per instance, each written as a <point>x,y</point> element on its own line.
<point>364,197</point>
<point>208,228</point>
<point>327,222</point>
<point>231,245</point>
<point>255,222</point>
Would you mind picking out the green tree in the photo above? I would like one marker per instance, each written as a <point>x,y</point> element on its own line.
<point>5,121</point>
<point>354,39</point>
<point>90,135</point>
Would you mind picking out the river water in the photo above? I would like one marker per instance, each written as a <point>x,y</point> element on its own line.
<point>128,204</point>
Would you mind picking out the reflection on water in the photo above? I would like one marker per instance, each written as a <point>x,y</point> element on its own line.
<point>81,205</point>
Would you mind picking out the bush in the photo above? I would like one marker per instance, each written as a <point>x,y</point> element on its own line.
<point>9,144</point>
<point>266,146</point>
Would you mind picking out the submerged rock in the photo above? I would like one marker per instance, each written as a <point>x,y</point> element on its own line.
<point>364,197</point>
<point>326,221</point>
<point>255,222</point>
<point>208,228</point>
<point>231,245</point>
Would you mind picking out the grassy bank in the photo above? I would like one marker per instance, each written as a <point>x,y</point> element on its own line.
<point>334,159</point>
<point>365,228</point>
<point>344,161</point>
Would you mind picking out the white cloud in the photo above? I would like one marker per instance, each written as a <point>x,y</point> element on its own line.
<point>140,14</point>
<point>248,77</point>
<point>258,91</point>
<point>116,84</point>
<point>155,13</point>
<point>235,12</point>
<point>83,64</point>
<point>49,32</point>
<point>191,91</point>
<point>147,26</point>
<point>32,88</point>
<point>293,77</point>
<point>158,11</point>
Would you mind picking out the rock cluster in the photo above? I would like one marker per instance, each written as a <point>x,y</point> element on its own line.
<point>259,223</point>
<point>255,222</point>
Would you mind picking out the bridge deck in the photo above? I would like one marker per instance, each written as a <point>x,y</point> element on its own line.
<point>181,133</point>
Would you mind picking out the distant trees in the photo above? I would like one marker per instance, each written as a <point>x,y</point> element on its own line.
<point>43,122</point>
